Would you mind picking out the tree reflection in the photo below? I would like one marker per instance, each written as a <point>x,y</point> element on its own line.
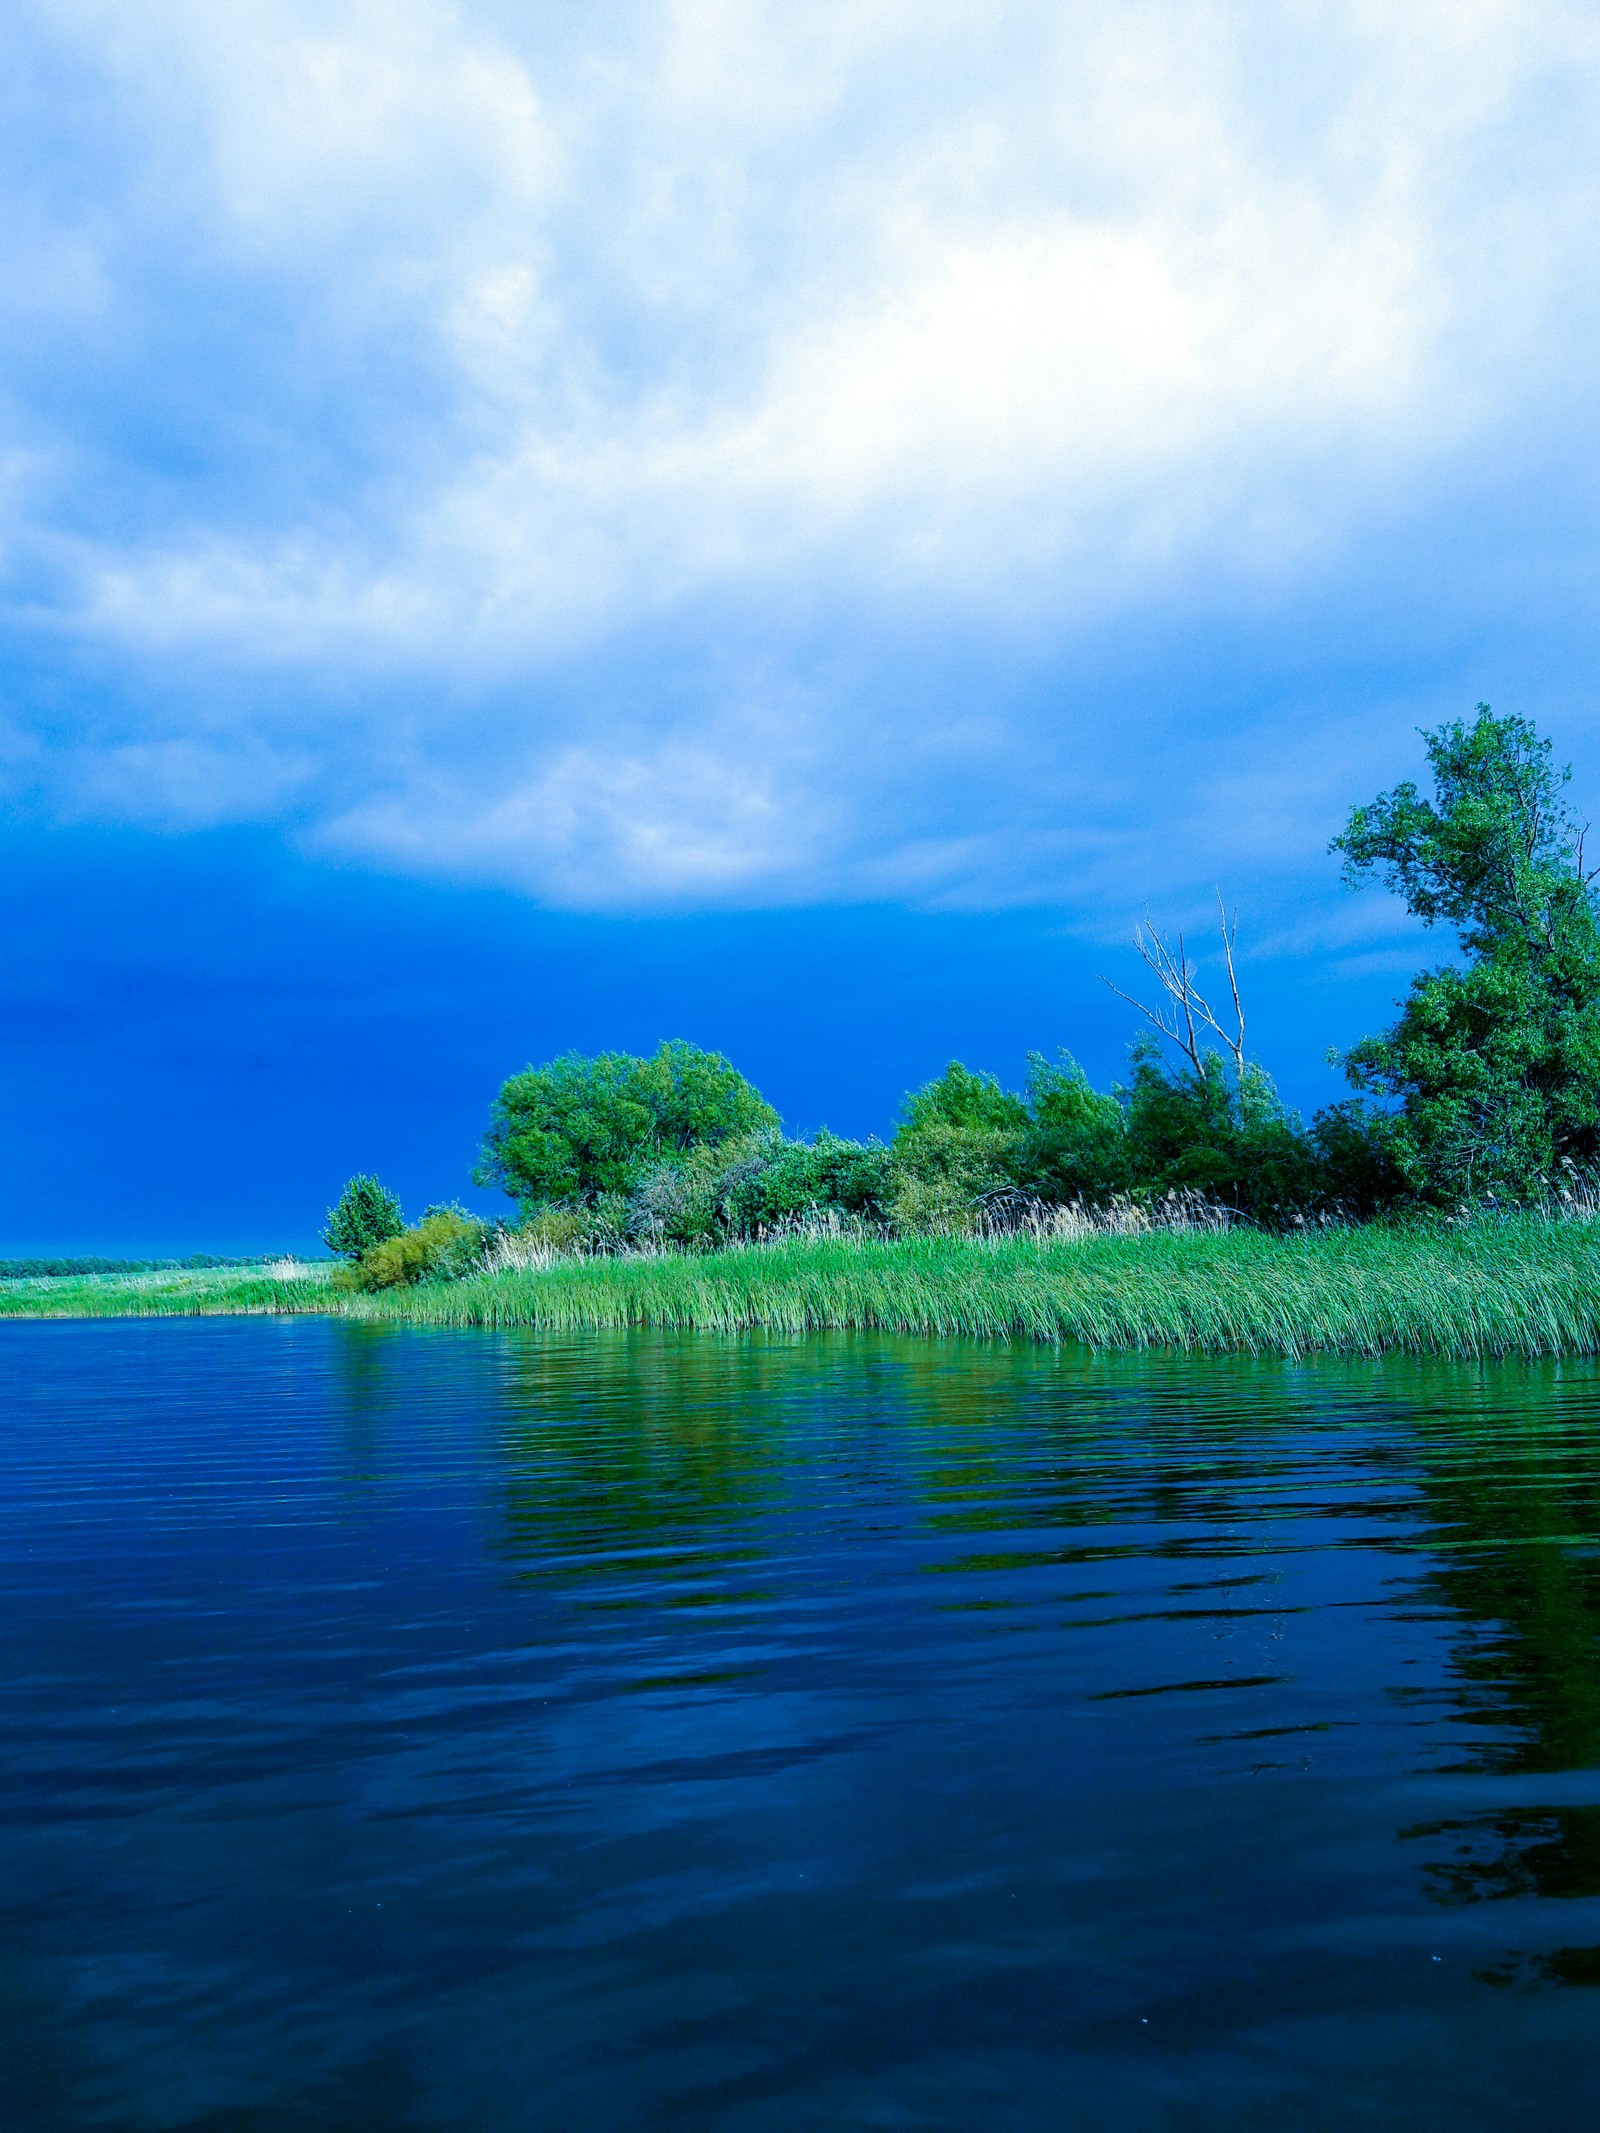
<point>1508,1470</point>
<point>649,1445</point>
<point>1511,1482</point>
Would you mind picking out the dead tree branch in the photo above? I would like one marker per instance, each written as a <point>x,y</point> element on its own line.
<point>1185,1012</point>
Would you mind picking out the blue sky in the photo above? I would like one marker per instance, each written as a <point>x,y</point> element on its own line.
<point>787,527</point>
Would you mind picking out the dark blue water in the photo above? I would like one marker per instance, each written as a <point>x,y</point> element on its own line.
<point>408,1730</point>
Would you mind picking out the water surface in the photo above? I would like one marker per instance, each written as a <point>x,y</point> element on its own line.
<point>413,1730</point>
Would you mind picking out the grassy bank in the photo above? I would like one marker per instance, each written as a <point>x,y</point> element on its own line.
<point>1523,1287</point>
<point>167,1293</point>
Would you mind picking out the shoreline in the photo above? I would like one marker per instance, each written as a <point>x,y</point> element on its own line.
<point>1505,1286</point>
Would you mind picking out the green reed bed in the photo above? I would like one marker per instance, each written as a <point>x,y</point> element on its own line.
<point>1512,1287</point>
<point>1516,1286</point>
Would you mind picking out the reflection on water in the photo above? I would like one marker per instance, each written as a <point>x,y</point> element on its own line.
<point>420,1730</point>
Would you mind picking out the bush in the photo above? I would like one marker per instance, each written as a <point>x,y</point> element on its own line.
<point>787,1182</point>
<point>678,1203</point>
<point>934,1207</point>
<point>960,1139</point>
<point>1361,1156</point>
<point>1075,1150</point>
<point>968,1150</point>
<point>752,1187</point>
<point>1228,1138</point>
<point>367,1214</point>
<point>571,1229</point>
<point>445,1245</point>
<point>582,1127</point>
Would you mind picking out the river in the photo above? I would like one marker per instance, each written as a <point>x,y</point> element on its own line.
<point>406,1730</point>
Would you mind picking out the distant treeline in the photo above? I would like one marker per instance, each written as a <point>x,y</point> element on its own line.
<point>46,1269</point>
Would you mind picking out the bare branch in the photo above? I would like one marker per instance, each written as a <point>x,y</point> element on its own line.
<point>1173,1034</point>
<point>1188,1011</point>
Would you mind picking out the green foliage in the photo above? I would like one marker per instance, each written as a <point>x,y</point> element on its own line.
<point>1496,1066</point>
<point>1516,1285</point>
<point>46,1269</point>
<point>967,1148</point>
<point>961,1140</point>
<point>1076,1144</point>
<point>458,1241</point>
<point>367,1214</point>
<point>1361,1172</point>
<point>600,1226</point>
<point>581,1127</point>
<point>964,1102</point>
<point>801,1179</point>
<point>445,1245</point>
<point>680,1202</point>
<point>762,1183</point>
<point>1228,1138</point>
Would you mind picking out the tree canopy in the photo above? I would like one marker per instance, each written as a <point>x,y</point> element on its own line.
<point>579,1127</point>
<point>1496,1065</point>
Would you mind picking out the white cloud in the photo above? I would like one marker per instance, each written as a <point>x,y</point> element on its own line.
<point>516,337</point>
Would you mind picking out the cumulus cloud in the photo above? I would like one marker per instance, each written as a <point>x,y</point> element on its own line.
<point>586,447</point>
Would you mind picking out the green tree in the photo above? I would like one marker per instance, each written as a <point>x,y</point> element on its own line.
<point>1224,1134</point>
<point>367,1214</point>
<point>1496,1064</point>
<point>960,1139</point>
<point>1214,1129</point>
<point>579,1127</point>
<point>1076,1146</point>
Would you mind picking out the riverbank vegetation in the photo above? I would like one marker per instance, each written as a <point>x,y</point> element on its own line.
<point>1445,1205</point>
<point>275,1285</point>
<point>32,1269</point>
<point>1484,1094</point>
<point>1508,1285</point>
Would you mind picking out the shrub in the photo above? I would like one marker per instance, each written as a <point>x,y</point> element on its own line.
<point>1075,1150</point>
<point>445,1245</point>
<point>1227,1137</point>
<point>969,1154</point>
<point>559,1230</point>
<point>677,1203</point>
<point>367,1214</point>
<point>960,1138</point>
<point>758,1185</point>
<point>939,1206</point>
<point>784,1183</point>
<point>1361,1159</point>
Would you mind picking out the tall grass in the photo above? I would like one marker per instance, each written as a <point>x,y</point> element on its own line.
<point>1512,1286</point>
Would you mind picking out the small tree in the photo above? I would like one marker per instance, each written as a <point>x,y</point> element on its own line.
<point>367,1214</point>
<point>959,1141</point>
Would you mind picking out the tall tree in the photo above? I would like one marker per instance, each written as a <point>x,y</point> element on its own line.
<point>1495,1062</point>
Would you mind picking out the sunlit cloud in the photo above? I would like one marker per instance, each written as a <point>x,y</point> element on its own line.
<point>604,450</point>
